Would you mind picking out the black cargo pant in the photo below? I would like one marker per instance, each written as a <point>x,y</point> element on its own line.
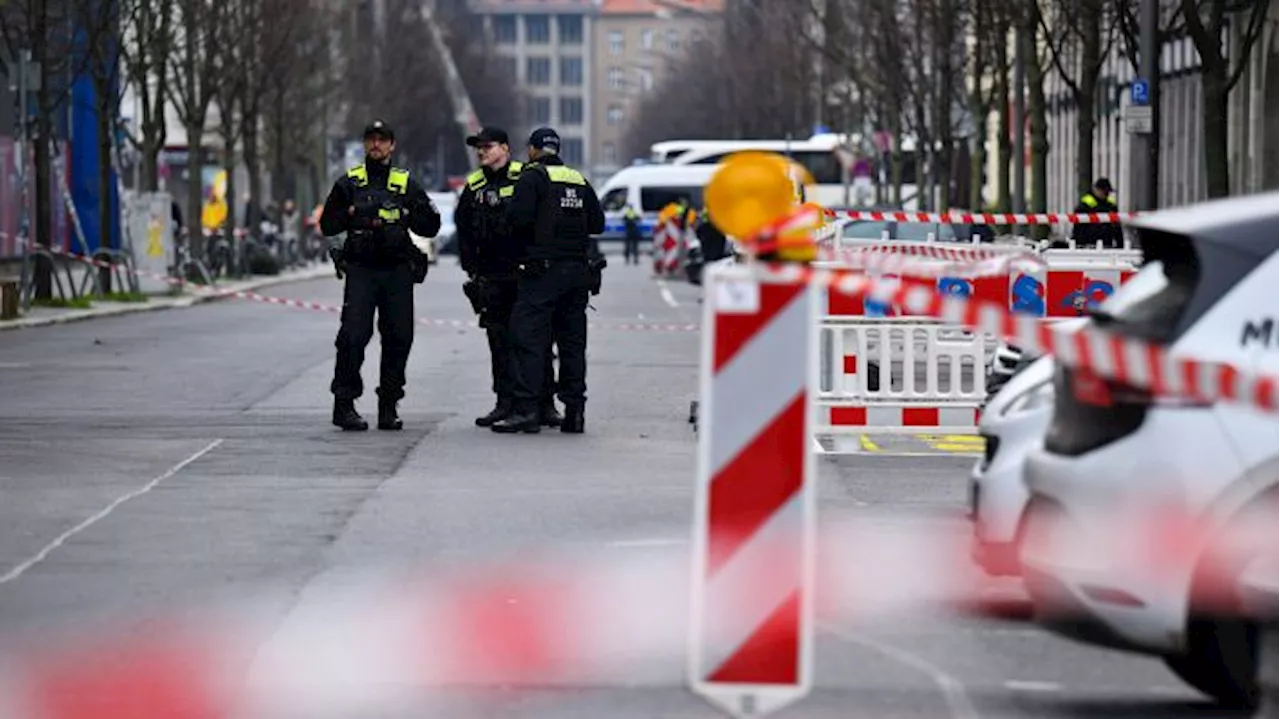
<point>551,305</point>
<point>631,248</point>
<point>499,301</point>
<point>389,292</point>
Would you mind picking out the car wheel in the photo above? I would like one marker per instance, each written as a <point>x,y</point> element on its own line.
<point>1221,660</point>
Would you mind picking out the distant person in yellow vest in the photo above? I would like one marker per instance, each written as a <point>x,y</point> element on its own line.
<point>631,235</point>
<point>1098,199</point>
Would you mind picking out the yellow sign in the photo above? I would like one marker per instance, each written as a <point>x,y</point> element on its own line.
<point>155,238</point>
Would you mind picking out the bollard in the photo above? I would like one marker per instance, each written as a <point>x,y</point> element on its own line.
<point>10,298</point>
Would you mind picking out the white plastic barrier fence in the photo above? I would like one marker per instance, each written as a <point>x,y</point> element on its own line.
<point>899,375</point>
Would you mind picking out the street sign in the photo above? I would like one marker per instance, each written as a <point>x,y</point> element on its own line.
<point>1138,119</point>
<point>1140,92</point>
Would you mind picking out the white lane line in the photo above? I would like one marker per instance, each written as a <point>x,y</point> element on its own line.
<point>44,553</point>
<point>654,542</point>
<point>665,291</point>
<point>1019,685</point>
<point>952,690</point>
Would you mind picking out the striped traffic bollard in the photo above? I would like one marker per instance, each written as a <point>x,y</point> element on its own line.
<point>752,639</point>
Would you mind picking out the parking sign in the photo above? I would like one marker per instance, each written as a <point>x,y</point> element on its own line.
<point>1140,93</point>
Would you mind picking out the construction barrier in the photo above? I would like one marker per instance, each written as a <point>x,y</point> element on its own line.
<point>893,374</point>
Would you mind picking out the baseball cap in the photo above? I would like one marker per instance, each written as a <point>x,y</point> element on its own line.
<point>544,138</point>
<point>378,127</point>
<point>1103,183</point>
<point>488,134</point>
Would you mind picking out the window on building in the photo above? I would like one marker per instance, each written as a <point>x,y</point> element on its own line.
<point>571,150</point>
<point>616,42</point>
<point>537,29</point>
<point>646,39</point>
<point>507,66</point>
<point>571,110</point>
<point>504,29</point>
<point>570,29</point>
<point>540,110</point>
<point>615,115</point>
<point>673,40</point>
<point>615,78</point>
<point>646,78</point>
<point>571,71</point>
<point>537,71</point>
<point>610,152</point>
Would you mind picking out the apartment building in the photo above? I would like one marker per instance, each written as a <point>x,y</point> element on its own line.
<point>545,46</point>
<point>636,41</point>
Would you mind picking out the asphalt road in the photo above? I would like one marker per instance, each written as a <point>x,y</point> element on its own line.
<point>184,458</point>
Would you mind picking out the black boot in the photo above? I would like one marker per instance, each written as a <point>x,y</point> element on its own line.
<point>550,415</point>
<point>500,411</point>
<point>574,419</point>
<point>527,422</point>
<point>346,416</point>
<point>388,418</point>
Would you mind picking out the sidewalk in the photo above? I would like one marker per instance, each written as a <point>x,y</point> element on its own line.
<point>43,316</point>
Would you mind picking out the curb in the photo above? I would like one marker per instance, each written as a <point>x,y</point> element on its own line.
<point>162,303</point>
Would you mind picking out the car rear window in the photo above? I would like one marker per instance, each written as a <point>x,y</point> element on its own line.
<point>1153,304</point>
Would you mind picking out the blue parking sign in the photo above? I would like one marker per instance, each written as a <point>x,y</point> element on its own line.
<point>1140,92</point>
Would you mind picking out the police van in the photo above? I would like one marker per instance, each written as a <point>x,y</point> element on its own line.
<point>648,189</point>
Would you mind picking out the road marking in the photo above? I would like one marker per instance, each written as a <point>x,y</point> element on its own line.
<point>665,291</point>
<point>952,690</point>
<point>44,553</point>
<point>1019,685</point>
<point>654,542</point>
<point>867,445</point>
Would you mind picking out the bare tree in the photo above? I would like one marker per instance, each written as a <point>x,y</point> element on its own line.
<point>147,39</point>
<point>195,76</point>
<point>1085,29</point>
<point>1030,24</point>
<point>1206,22</point>
<point>42,27</point>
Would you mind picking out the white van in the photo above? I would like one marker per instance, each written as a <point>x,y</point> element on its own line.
<point>648,189</point>
<point>1115,457</point>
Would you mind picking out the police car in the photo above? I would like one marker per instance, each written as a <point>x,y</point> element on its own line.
<point>648,189</point>
<point>1115,456</point>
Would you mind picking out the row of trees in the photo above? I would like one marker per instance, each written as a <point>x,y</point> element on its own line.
<point>936,70</point>
<point>271,86</point>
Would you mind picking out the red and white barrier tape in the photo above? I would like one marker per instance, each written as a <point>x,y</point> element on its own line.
<point>984,218</point>
<point>1121,359</point>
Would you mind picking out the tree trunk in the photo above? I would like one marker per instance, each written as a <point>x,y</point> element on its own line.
<point>44,132</point>
<point>1090,51</point>
<point>1037,113</point>
<point>978,161</point>
<point>1004,140</point>
<point>1213,83</point>
<point>105,113</point>
<point>150,164</point>
<point>252,159</point>
<point>195,191</point>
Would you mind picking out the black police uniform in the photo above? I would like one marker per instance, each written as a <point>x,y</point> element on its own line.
<point>1108,233</point>
<point>376,205</point>
<point>490,258</point>
<point>554,213</point>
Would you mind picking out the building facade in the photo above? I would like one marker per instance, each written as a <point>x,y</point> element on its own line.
<point>545,46</point>
<point>636,41</point>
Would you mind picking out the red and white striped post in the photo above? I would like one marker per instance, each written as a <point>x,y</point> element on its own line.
<point>754,544</point>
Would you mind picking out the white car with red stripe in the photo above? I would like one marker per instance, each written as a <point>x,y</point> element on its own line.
<point>1136,498</point>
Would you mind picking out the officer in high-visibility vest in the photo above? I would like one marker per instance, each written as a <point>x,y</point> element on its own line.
<point>490,259</point>
<point>631,235</point>
<point>1098,199</point>
<point>376,205</point>
<point>554,214</point>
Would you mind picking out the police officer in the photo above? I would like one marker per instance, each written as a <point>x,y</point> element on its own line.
<point>1098,199</point>
<point>376,205</point>
<point>553,215</point>
<point>631,227</point>
<point>490,260</point>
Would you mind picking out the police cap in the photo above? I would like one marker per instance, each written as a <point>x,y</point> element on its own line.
<point>378,127</point>
<point>544,138</point>
<point>489,134</point>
